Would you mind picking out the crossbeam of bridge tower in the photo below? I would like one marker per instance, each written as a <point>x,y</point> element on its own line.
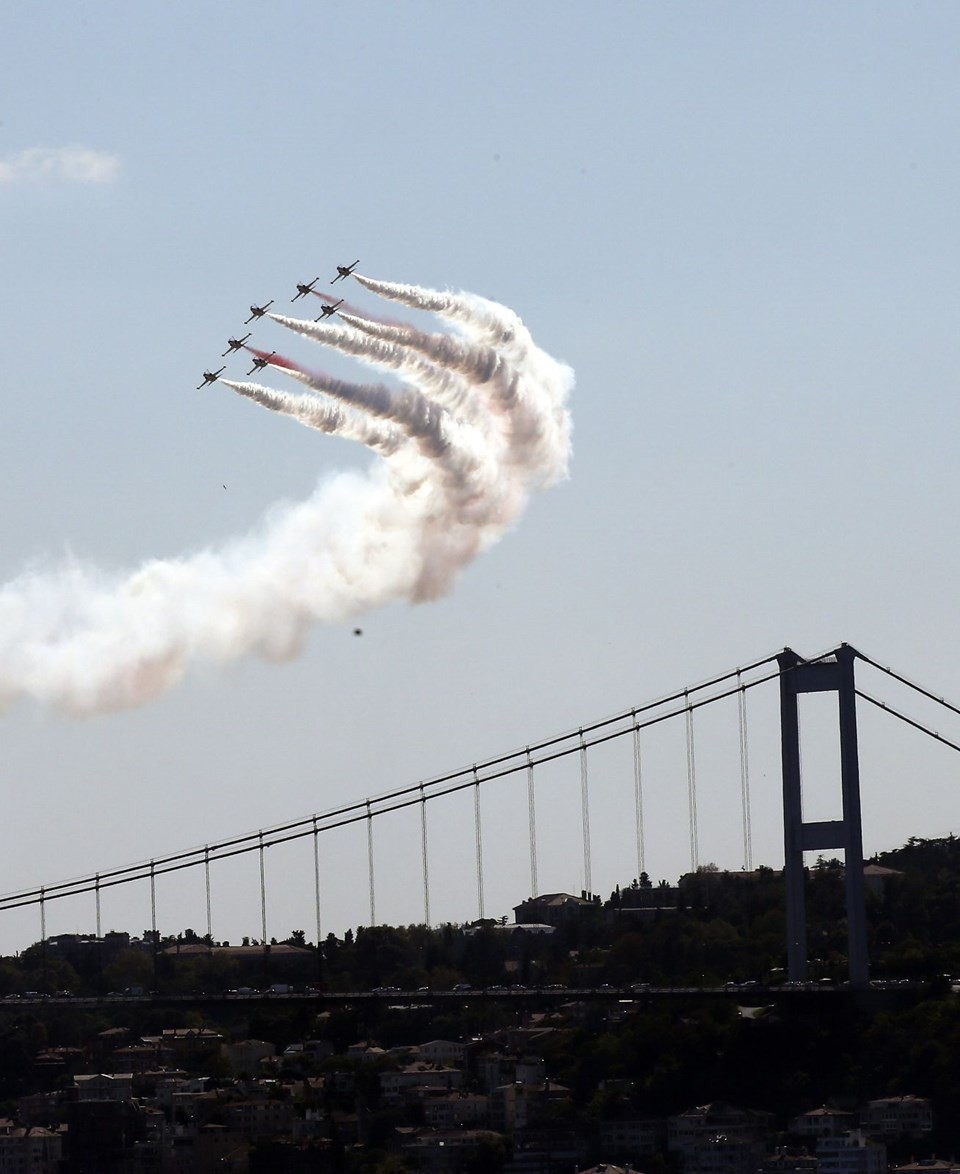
<point>833,673</point>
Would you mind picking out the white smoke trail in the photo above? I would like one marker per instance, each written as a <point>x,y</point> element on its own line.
<point>324,417</point>
<point>444,488</point>
<point>479,316</point>
<point>445,386</point>
<point>537,419</point>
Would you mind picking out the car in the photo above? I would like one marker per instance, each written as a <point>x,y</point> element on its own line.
<point>463,986</point>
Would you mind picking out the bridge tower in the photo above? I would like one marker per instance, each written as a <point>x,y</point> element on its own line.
<point>832,673</point>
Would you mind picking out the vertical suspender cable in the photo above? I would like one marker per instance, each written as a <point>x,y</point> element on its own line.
<point>585,815</point>
<point>263,895</point>
<point>638,795</point>
<point>97,895</point>
<point>316,880</point>
<point>476,821</point>
<point>423,850</point>
<point>745,778</point>
<point>692,788</point>
<point>373,904</point>
<point>532,820</point>
<point>206,880</point>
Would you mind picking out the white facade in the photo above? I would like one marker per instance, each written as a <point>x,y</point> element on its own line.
<point>851,1154</point>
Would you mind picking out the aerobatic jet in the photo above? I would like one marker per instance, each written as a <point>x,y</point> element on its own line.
<point>302,289</point>
<point>345,270</point>
<point>261,362</point>
<point>258,311</point>
<point>327,309</point>
<point>210,377</point>
<point>234,344</point>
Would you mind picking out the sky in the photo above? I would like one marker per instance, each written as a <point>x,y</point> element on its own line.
<point>736,224</point>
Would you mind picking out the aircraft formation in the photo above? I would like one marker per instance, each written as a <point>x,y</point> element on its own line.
<point>327,310</point>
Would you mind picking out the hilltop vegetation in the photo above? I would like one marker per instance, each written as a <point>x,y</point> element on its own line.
<point>712,927</point>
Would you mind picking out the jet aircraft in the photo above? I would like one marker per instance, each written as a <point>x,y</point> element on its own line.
<point>302,289</point>
<point>327,309</point>
<point>210,377</point>
<point>234,344</point>
<point>258,311</point>
<point>345,270</point>
<point>260,363</point>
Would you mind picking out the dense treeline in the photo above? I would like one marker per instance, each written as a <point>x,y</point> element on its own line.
<point>713,927</point>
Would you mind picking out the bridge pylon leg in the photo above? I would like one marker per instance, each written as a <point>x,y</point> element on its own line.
<point>833,673</point>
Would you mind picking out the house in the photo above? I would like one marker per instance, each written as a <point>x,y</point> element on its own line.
<point>259,1119</point>
<point>455,1110</point>
<point>246,1055</point>
<point>876,876</point>
<point>722,1155</point>
<point>894,1117</point>
<point>103,1086</point>
<point>555,909</point>
<point>396,1086</point>
<point>438,1151</point>
<point>632,1137</point>
<point>704,1123</point>
<point>442,1051</point>
<point>517,1106</point>
<point>31,1150</point>
<point>822,1122</point>
<point>851,1153</point>
<point>784,1162</point>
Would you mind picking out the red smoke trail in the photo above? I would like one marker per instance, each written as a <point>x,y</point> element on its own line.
<point>275,360</point>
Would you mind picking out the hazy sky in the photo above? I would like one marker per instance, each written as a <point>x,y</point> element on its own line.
<point>737,223</point>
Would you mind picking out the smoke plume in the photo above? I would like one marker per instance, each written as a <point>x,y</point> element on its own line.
<point>478,421</point>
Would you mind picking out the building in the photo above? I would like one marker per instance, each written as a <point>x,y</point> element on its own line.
<point>851,1153</point>
<point>705,1123</point>
<point>784,1162</point>
<point>896,1117</point>
<point>257,1120</point>
<point>631,1137</point>
<point>103,1086</point>
<point>245,1056</point>
<point>400,1084</point>
<point>518,1106</point>
<point>455,1110</point>
<point>822,1122</point>
<point>30,1149</point>
<point>442,1051</point>
<point>555,909</point>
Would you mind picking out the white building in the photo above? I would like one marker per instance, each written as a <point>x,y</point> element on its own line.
<point>31,1150</point>
<point>851,1153</point>
<point>892,1117</point>
<point>822,1122</point>
<point>630,1138</point>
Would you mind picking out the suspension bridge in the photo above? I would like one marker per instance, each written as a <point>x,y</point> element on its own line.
<point>526,772</point>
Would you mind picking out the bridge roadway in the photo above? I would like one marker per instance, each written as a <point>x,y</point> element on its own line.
<point>637,993</point>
